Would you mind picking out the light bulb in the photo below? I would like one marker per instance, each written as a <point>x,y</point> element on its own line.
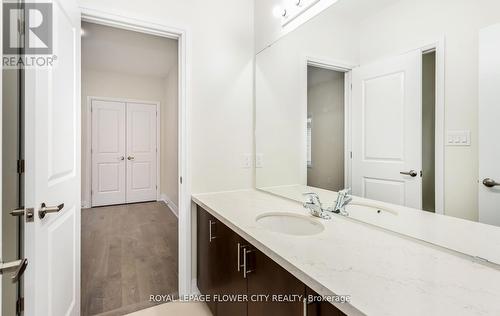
<point>279,12</point>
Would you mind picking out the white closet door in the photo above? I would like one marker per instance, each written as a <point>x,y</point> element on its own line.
<point>387,129</point>
<point>141,152</point>
<point>108,153</point>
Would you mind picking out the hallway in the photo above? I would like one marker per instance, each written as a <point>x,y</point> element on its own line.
<point>128,253</point>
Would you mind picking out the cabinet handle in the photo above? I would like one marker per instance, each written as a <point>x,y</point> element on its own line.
<point>245,271</point>
<point>239,257</point>
<point>210,225</point>
<point>305,307</point>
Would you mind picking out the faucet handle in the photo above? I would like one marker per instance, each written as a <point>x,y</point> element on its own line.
<point>345,192</point>
<point>313,197</point>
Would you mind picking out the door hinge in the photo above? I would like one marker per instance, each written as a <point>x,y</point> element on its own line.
<point>20,25</point>
<point>20,305</point>
<point>180,179</point>
<point>91,192</point>
<point>351,154</point>
<point>20,166</point>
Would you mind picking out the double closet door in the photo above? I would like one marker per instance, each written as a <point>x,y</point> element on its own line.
<point>124,152</point>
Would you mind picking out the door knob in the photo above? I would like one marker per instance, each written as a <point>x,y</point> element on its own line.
<point>411,173</point>
<point>44,210</point>
<point>130,158</point>
<point>122,158</point>
<point>490,183</point>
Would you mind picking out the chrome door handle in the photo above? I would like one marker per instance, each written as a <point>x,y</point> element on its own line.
<point>411,173</point>
<point>44,210</point>
<point>19,266</point>
<point>130,158</point>
<point>21,212</point>
<point>490,183</point>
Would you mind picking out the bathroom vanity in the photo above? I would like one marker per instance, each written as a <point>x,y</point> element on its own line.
<point>383,273</point>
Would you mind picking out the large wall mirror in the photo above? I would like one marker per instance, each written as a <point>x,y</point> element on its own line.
<point>400,102</point>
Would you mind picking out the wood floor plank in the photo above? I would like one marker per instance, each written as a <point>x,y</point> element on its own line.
<point>129,252</point>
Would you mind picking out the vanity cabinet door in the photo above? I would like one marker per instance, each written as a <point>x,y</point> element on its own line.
<point>321,308</point>
<point>266,277</point>
<point>206,254</point>
<point>230,275</point>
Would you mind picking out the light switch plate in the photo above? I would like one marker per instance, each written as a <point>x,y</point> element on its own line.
<point>259,161</point>
<point>246,162</point>
<point>458,138</point>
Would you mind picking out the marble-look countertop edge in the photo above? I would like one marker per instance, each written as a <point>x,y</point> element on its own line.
<point>315,285</point>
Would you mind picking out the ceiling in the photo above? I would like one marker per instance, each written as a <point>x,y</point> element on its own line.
<point>111,49</point>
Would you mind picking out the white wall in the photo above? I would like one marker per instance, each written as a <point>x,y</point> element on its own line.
<point>409,24</point>
<point>220,81</point>
<point>145,88</point>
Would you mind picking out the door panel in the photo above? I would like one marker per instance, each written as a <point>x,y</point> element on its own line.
<point>141,152</point>
<point>489,113</point>
<point>108,153</point>
<point>386,130</point>
<point>52,150</point>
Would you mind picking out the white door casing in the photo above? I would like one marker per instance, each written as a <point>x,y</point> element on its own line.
<point>387,130</point>
<point>52,153</point>
<point>141,152</point>
<point>108,152</point>
<point>489,115</point>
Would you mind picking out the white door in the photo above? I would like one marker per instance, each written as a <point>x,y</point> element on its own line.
<point>108,153</point>
<point>489,118</point>
<point>387,130</point>
<point>141,152</point>
<point>52,151</point>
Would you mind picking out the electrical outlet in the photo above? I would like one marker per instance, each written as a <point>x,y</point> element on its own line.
<point>246,162</point>
<point>259,161</point>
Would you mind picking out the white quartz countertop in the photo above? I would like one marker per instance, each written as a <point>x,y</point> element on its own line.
<point>384,273</point>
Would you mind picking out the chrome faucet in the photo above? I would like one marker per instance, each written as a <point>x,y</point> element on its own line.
<point>343,198</point>
<point>313,204</point>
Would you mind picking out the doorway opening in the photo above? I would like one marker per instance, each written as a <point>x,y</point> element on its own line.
<point>130,168</point>
<point>429,131</point>
<point>326,145</point>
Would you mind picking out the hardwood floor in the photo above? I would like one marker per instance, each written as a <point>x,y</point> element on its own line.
<point>129,252</point>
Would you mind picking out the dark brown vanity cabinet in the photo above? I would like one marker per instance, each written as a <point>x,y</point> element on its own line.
<point>206,268</point>
<point>228,266</point>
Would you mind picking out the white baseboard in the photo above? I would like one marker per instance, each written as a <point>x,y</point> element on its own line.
<point>85,204</point>
<point>171,205</point>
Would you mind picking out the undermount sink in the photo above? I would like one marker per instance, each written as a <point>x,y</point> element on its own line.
<point>367,212</point>
<point>290,224</point>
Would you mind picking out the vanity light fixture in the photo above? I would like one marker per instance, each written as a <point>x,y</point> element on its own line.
<point>279,12</point>
<point>292,10</point>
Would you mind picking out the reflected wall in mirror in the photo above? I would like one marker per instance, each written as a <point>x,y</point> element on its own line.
<point>395,99</point>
